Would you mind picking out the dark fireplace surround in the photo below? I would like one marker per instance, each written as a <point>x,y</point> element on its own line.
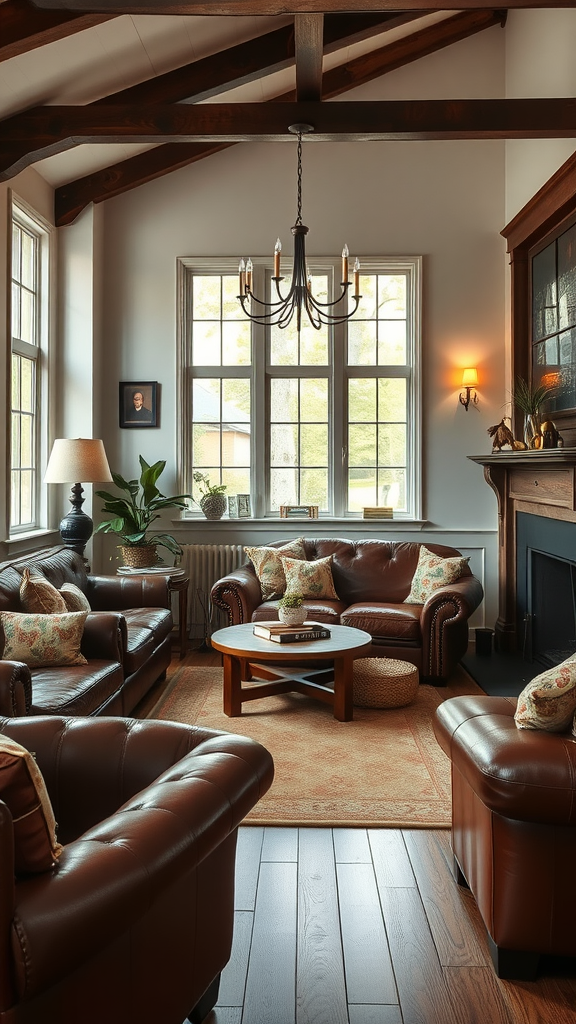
<point>536,494</point>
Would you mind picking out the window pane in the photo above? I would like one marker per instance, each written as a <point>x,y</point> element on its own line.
<point>236,399</point>
<point>361,400</point>
<point>392,342</point>
<point>26,439</point>
<point>206,344</point>
<point>362,343</point>
<point>231,308</point>
<point>361,489</point>
<point>206,400</point>
<point>15,456</point>
<point>27,385</point>
<point>392,488</point>
<point>206,302</point>
<point>314,399</point>
<point>283,348</point>
<point>314,444</point>
<point>313,348</point>
<point>392,398</point>
<point>15,499</point>
<point>15,310</point>
<point>368,291</point>
<point>15,382</point>
<point>26,497</point>
<point>362,444</point>
<point>391,444</point>
<point>283,487</point>
<point>205,443</point>
<point>283,400</point>
<point>314,488</point>
<point>391,296</point>
<point>28,277</point>
<point>237,480</point>
<point>544,292</point>
<point>236,343</point>
<point>283,445</point>
<point>235,444</point>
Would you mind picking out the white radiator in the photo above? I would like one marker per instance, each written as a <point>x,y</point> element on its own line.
<point>204,565</point>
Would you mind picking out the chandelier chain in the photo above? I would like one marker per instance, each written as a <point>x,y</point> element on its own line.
<point>299,215</point>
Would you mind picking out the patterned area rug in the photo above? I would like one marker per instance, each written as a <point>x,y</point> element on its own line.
<point>384,768</point>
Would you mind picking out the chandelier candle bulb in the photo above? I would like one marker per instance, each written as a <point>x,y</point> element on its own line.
<point>356,278</point>
<point>249,268</point>
<point>277,251</point>
<point>241,272</point>
<point>345,255</point>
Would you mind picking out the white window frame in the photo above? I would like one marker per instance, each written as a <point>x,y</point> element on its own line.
<point>337,373</point>
<point>21,213</point>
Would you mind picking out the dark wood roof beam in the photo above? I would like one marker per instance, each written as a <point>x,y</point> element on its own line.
<point>45,131</point>
<point>270,7</point>
<point>309,45</point>
<point>23,27</point>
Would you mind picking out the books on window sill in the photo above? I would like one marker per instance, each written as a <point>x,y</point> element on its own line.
<point>378,512</point>
<point>282,634</point>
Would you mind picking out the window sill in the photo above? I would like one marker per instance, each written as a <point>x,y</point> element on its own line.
<point>329,521</point>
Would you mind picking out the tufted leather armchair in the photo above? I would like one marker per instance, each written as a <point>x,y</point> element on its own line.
<point>135,922</point>
<point>372,578</point>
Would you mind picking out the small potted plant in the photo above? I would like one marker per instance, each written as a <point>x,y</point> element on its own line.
<point>291,610</point>
<point>212,499</point>
<point>132,514</point>
<point>530,401</point>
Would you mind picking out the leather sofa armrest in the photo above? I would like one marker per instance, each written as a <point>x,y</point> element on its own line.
<point>444,624</point>
<point>15,689</point>
<point>238,594</point>
<point>161,833</point>
<point>113,593</point>
<point>105,636</point>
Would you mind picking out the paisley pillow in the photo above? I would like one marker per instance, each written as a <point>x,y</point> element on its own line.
<point>549,701</point>
<point>39,640</point>
<point>74,598</point>
<point>267,564</point>
<point>23,790</point>
<point>38,595</point>
<point>432,572</point>
<point>310,579</point>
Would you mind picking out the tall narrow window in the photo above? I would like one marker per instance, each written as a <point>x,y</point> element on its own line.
<point>328,417</point>
<point>29,314</point>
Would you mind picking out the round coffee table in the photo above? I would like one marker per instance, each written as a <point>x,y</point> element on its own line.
<point>244,653</point>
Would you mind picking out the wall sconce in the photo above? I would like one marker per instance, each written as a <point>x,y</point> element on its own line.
<point>469,383</point>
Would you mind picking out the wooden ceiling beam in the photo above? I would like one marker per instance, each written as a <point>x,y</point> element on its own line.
<point>270,7</point>
<point>44,131</point>
<point>309,46</point>
<point>23,27</point>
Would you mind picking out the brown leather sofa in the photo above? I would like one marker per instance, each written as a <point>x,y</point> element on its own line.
<point>513,828</point>
<point>127,641</point>
<point>135,921</point>
<point>372,578</point>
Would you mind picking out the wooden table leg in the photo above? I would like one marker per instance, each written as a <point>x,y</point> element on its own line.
<point>343,691</point>
<point>232,702</point>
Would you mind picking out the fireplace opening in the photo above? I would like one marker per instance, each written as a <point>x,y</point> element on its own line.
<point>550,622</point>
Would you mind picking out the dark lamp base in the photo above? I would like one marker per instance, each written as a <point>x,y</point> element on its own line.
<point>76,528</point>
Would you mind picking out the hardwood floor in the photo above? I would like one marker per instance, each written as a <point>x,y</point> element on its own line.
<point>367,926</point>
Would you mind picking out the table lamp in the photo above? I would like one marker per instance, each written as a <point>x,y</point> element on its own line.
<point>77,459</point>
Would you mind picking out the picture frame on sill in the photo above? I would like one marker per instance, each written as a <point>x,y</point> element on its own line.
<point>239,506</point>
<point>138,404</point>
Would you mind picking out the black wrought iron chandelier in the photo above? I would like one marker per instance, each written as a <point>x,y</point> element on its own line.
<point>281,313</point>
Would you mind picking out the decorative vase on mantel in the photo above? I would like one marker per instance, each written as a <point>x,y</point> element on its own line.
<point>213,505</point>
<point>533,430</point>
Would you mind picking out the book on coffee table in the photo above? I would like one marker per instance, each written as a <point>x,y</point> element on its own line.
<point>282,634</point>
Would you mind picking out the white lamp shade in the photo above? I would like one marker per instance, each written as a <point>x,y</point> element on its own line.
<point>77,460</point>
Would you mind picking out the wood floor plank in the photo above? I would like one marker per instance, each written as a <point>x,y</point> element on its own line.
<point>280,844</point>
<point>233,982</point>
<point>362,1013</point>
<point>320,986</point>
<point>351,846</point>
<point>476,996</point>
<point>367,963</point>
<point>422,988</point>
<point>546,1001</point>
<point>248,853</point>
<point>454,920</point>
<point>390,858</point>
<point>270,985</point>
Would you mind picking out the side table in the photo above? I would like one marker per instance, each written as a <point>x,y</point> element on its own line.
<point>177,584</point>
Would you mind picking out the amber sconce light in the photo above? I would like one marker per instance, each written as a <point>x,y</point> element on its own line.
<point>469,383</point>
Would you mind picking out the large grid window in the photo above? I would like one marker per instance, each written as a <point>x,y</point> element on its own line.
<point>328,418</point>
<point>29,316</point>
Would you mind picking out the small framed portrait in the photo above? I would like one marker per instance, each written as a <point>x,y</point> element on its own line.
<point>139,403</point>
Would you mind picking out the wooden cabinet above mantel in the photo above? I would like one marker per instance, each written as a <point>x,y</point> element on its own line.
<point>541,483</point>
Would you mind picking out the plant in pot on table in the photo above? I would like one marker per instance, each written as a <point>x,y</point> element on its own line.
<point>132,514</point>
<point>212,499</point>
<point>290,610</point>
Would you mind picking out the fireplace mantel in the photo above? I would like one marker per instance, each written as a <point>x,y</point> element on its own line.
<point>540,483</point>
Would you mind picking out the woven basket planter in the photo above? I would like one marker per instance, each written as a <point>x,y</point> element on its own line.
<point>384,683</point>
<point>139,556</point>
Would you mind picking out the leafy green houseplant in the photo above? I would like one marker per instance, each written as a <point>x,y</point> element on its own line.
<point>131,514</point>
<point>212,500</point>
<point>290,609</point>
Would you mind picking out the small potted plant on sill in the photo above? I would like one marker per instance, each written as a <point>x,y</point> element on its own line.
<point>291,610</point>
<point>212,499</point>
<point>132,515</point>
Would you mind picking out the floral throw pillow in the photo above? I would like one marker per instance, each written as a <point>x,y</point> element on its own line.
<point>23,790</point>
<point>267,564</point>
<point>549,701</point>
<point>39,640</point>
<point>432,572</point>
<point>38,595</point>
<point>74,598</point>
<point>310,579</point>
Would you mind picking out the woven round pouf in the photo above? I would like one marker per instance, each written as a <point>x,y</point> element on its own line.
<point>384,682</point>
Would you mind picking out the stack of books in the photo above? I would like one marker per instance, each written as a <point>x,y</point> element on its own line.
<point>282,634</point>
<point>378,512</point>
